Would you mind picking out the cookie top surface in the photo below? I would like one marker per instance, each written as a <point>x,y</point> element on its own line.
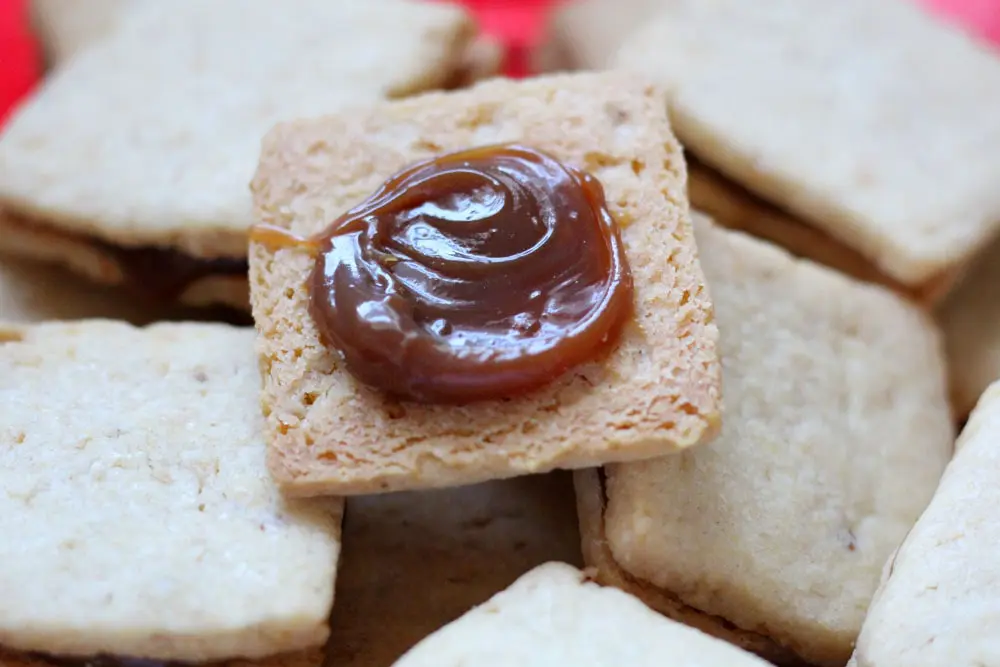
<point>655,393</point>
<point>872,120</point>
<point>939,602</point>
<point>138,514</point>
<point>150,136</point>
<point>554,616</point>
<point>836,429</point>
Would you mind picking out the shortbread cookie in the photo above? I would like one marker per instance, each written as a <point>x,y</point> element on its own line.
<point>65,27</point>
<point>836,431</point>
<point>138,515</point>
<point>871,120</point>
<point>970,318</point>
<point>656,392</point>
<point>416,561</point>
<point>554,615</point>
<point>586,34</point>
<point>940,601</point>
<point>733,206</point>
<point>148,139</point>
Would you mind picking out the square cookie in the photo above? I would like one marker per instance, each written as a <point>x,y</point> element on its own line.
<point>735,207</point>
<point>144,141</point>
<point>655,393</point>
<point>836,432</point>
<point>138,515</point>
<point>554,615</point>
<point>873,121</point>
<point>940,601</point>
<point>417,560</point>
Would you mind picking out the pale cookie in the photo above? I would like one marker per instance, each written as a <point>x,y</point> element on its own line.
<point>64,27</point>
<point>415,561</point>
<point>656,392</point>
<point>873,121</point>
<point>138,515</point>
<point>970,319</point>
<point>940,601</point>
<point>835,434</point>
<point>733,206</point>
<point>554,615</point>
<point>149,137</point>
<point>586,34</point>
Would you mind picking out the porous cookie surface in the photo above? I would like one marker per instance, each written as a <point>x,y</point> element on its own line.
<point>151,136</point>
<point>940,601</point>
<point>657,391</point>
<point>836,431</point>
<point>554,616</point>
<point>814,105</point>
<point>415,561</point>
<point>138,515</point>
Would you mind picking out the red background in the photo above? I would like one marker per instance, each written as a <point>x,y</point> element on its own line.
<point>516,22</point>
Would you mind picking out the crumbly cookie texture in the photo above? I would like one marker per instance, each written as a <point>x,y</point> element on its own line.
<point>914,191</point>
<point>417,560</point>
<point>138,515</point>
<point>656,393</point>
<point>939,601</point>
<point>150,135</point>
<point>554,615</point>
<point>837,429</point>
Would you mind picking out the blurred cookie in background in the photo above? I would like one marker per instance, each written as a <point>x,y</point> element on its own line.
<point>64,27</point>
<point>586,34</point>
<point>970,319</point>
<point>131,164</point>
<point>882,137</point>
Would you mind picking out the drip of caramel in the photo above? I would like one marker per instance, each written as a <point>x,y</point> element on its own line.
<point>476,275</point>
<point>276,238</point>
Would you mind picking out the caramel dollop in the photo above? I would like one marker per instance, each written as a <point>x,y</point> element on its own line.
<point>474,275</point>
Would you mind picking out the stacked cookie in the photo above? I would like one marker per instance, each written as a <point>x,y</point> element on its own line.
<point>758,439</point>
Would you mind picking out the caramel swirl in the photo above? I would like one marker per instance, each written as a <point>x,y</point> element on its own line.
<point>474,275</point>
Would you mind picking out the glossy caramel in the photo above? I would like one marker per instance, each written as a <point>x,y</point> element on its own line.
<point>475,275</point>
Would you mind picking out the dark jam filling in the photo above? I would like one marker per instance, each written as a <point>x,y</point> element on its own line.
<point>164,274</point>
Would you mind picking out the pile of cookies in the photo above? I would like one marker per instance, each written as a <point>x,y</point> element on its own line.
<point>276,386</point>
